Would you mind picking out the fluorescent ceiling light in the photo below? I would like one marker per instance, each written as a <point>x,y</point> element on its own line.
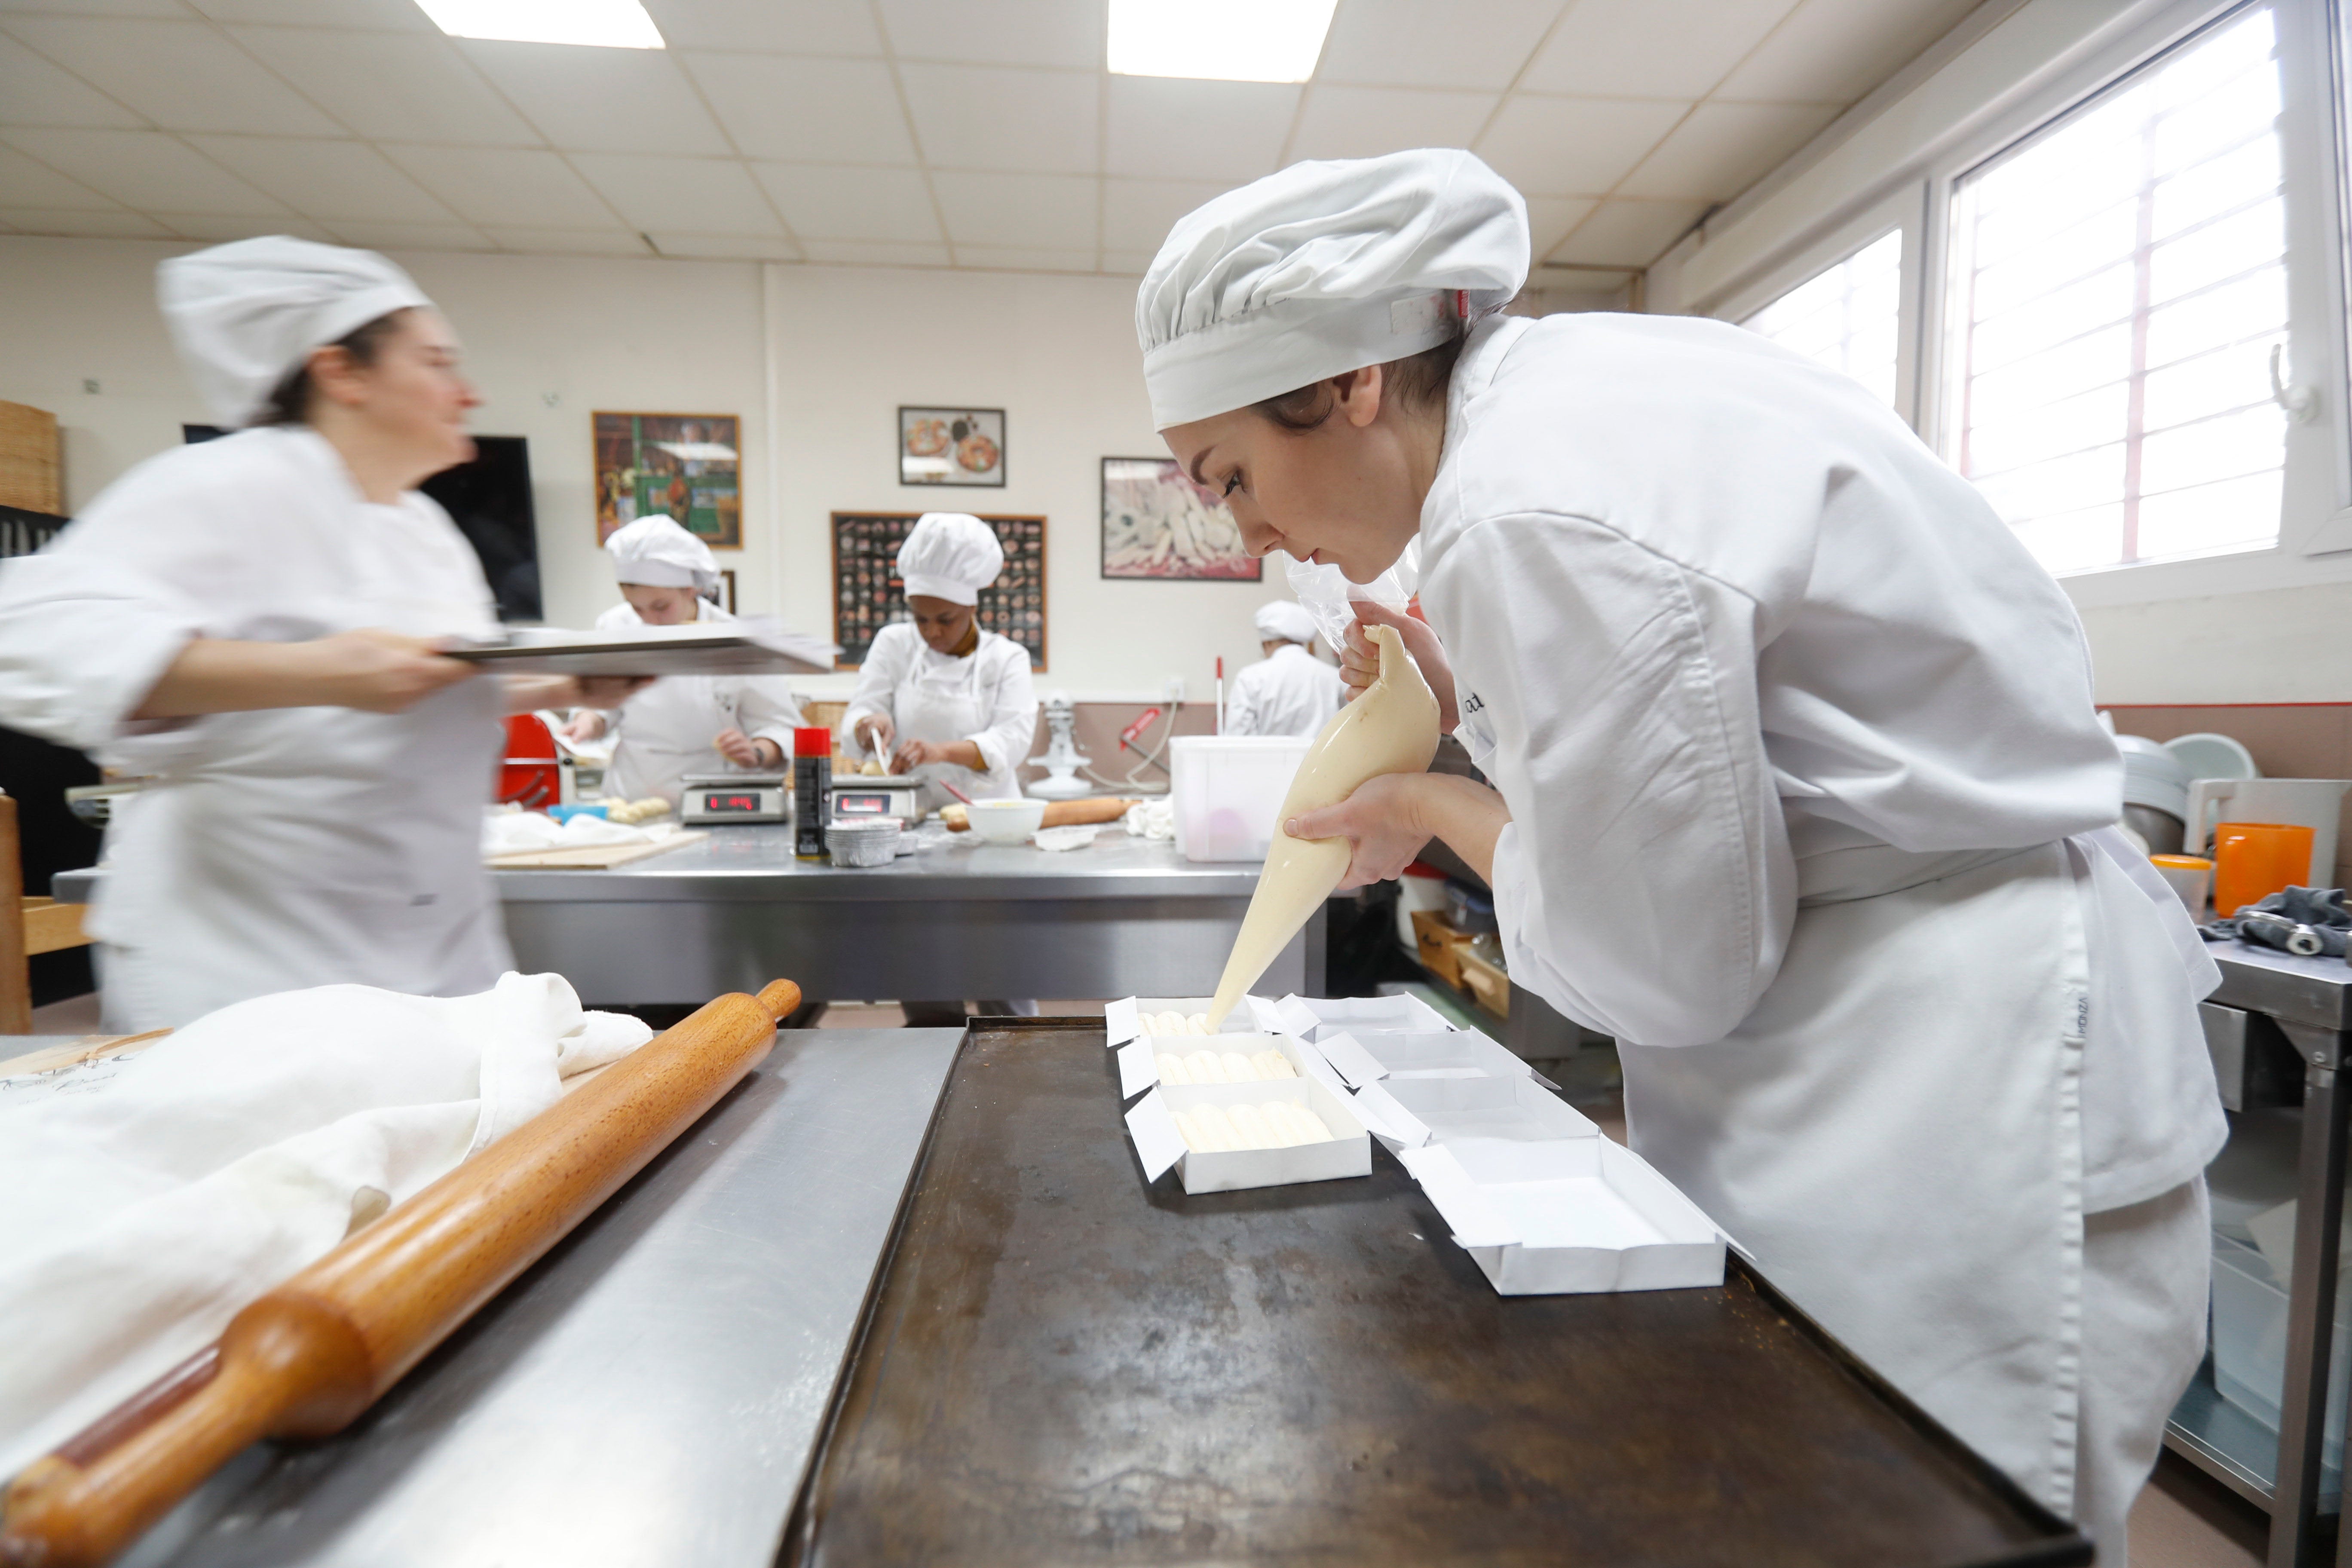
<point>609,24</point>
<point>1221,40</point>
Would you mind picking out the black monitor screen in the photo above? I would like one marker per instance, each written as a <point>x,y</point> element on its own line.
<point>489,499</point>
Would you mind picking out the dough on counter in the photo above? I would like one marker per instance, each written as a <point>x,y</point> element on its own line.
<point>1198,1023</point>
<point>1204,1067</point>
<point>1272,1064</point>
<point>1238,1067</point>
<point>1172,1069</point>
<point>1253,1129</point>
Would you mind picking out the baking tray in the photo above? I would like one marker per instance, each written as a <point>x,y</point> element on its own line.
<point>1057,1366</point>
<point>726,648</point>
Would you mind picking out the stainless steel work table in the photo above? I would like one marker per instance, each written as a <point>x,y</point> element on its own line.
<point>957,919</point>
<point>651,1391</point>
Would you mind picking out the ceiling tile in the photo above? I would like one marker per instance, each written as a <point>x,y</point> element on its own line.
<point>1002,32</point>
<point>382,16</point>
<point>833,203</point>
<point>325,179</point>
<point>1467,43</point>
<point>1649,48</point>
<point>1835,51</point>
<point>1040,211</point>
<point>1009,259</point>
<point>145,170</point>
<point>1550,217</point>
<point>726,247</point>
<point>34,93</point>
<point>1574,146</point>
<point>871,253</point>
<point>1138,214</point>
<point>413,235</point>
<point>1169,128</point>
<point>221,230</point>
<point>602,101</point>
<point>1723,148</point>
<point>505,186</point>
<point>1628,233</point>
<point>85,225</point>
<point>997,117</point>
<point>683,195</point>
<point>26,183</point>
<point>808,110</point>
<point>392,86</point>
<point>1366,122</point>
<point>183,76</point>
<point>568,241</point>
<point>785,27</point>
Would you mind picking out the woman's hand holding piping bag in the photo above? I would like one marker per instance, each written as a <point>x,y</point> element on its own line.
<point>1388,820</point>
<point>1360,661</point>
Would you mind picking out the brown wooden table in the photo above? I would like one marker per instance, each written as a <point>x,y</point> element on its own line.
<point>1059,1367</point>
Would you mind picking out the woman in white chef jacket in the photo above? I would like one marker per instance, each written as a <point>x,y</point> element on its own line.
<point>682,724</point>
<point>1289,692</point>
<point>953,697</point>
<point>253,622</point>
<point>1799,789</point>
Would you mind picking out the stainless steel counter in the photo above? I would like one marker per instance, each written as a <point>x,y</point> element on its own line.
<point>957,919</point>
<point>650,1393</point>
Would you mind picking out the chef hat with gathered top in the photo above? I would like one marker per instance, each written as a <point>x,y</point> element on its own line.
<point>245,316</point>
<point>950,556</point>
<point>1324,268</point>
<point>1285,619</point>
<point>655,552</point>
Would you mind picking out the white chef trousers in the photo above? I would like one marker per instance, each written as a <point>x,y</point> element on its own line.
<point>2145,1272</point>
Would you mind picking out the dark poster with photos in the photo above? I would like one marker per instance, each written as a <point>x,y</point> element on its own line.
<point>867,595</point>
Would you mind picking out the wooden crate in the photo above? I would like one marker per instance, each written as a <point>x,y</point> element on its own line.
<point>1490,987</point>
<point>32,464</point>
<point>1440,946</point>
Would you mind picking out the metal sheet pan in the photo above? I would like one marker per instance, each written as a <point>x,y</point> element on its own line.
<point>1059,1367</point>
<point>726,648</point>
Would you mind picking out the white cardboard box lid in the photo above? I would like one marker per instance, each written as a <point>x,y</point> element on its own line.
<point>1120,1023</point>
<point>1157,1142</point>
<point>1464,1180</point>
<point>1392,1124</point>
<point>1139,1068</point>
<point>1359,1014</point>
<point>1452,1108</point>
<point>1462,1053</point>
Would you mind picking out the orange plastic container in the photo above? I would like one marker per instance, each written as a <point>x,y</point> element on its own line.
<point>2252,860</point>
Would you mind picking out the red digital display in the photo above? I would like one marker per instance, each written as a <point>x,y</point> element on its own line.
<point>748,803</point>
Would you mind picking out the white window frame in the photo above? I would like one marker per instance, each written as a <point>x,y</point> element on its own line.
<point>2315,541</point>
<point>1904,210</point>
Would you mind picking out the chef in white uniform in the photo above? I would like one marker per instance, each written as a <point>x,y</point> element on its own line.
<point>952,696</point>
<point>253,622</point>
<point>682,724</point>
<point>1800,792</point>
<point>1289,692</point>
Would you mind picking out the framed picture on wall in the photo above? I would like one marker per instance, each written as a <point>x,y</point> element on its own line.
<point>1157,523</point>
<point>727,590</point>
<point>951,446</point>
<point>685,467</point>
<point>867,595</point>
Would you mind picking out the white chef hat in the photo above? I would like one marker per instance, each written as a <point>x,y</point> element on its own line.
<point>950,556</point>
<point>1286,619</point>
<point>655,552</point>
<point>1321,269</point>
<point>244,316</point>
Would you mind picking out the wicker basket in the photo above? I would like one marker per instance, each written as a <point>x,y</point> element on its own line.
<point>32,470</point>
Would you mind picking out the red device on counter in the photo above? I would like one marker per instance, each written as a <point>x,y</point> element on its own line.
<point>531,777</point>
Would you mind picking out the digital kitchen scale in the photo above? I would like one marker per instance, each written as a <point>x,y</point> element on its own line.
<point>712,799</point>
<point>864,794</point>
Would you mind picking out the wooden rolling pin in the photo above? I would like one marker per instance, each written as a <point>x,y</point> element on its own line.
<point>306,1358</point>
<point>1058,813</point>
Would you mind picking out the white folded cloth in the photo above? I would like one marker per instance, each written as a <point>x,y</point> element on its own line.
<point>143,1202</point>
<point>514,832</point>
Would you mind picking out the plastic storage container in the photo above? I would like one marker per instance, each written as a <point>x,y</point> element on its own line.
<point>1226,789</point>
<point>2249,1341</point>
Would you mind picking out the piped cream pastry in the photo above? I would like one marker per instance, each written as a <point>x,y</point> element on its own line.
<point>1310,1125</point>
<point>1171,1022</point>
<point>1238,1067</point>
<point>1189,1129</point>
<point>1198,1023</point>
<point>1172,1069</point>
<point>1216,1129</point>
<point>1205,1067</point>
<point>1272,1064</point>
<point>1252,1128</point>
<point>1391,728</point>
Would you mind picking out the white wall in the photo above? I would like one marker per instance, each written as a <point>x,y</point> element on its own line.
<point>552,340</point>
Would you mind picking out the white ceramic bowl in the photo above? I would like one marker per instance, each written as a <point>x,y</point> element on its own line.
<point>1006,821</point>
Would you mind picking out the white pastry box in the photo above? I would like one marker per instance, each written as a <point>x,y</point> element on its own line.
<point>1567,1216</point>
<point>1159,1145</point>
<point>1123,1019</point>
<point>1314,1017</point>
<point>1418,1110</point>
<point>1434,1053</point>
<point>1138,1059</point>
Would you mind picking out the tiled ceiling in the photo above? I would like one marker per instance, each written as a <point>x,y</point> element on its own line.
<point>914,132</point>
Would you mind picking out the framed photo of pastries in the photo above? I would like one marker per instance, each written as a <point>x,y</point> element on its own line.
<point>867,595</point>
<point>951,446</point>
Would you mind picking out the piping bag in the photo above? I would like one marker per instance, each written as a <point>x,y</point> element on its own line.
<point>1391,728</point>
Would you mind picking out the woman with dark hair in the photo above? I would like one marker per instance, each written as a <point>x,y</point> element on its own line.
<point>1798,787</point>
<point>254,623</point>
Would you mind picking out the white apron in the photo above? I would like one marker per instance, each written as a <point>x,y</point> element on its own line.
<point>665,732</point>
<point>985,697</point>
<point>945,703</point>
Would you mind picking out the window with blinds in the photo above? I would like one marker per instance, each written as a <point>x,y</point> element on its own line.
<point>1847,317</point>
<point>2118,288</point>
